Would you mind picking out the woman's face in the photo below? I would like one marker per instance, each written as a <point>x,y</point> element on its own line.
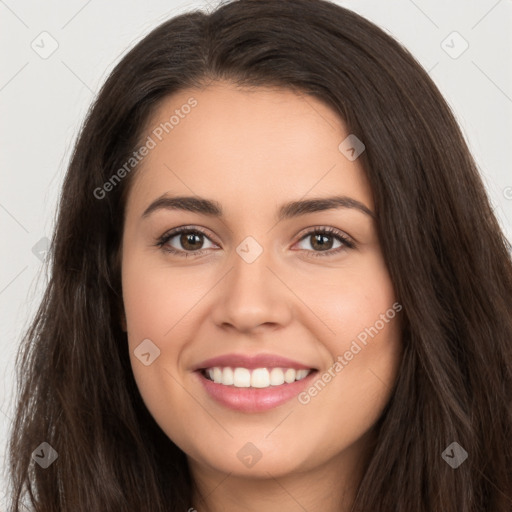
<point>256,289</point>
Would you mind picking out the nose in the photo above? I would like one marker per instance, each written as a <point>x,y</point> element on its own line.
<point>252,295</point>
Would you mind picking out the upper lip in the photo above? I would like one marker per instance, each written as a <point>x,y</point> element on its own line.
<point>251,362</point>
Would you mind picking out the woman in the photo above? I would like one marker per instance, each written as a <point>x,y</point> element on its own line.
<point>277,284</point>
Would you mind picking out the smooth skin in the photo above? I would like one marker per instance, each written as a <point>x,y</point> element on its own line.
<point>252,150</point>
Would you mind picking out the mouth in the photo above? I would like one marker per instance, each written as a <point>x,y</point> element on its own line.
<point>253,390</point>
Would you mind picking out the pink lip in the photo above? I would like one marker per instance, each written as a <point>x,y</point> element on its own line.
<point>251,400</point>
<point>251,362</point>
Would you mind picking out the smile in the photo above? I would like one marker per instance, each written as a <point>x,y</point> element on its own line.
<point>243,396</point>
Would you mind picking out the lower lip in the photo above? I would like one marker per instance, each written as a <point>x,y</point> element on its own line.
<point>254,399</point>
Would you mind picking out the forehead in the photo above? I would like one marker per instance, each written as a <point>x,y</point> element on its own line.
<point>254,145</point>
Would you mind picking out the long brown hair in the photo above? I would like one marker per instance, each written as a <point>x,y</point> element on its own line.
<point>443,247</point>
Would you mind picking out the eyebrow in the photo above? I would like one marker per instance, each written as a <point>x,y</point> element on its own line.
<point>288,210</point>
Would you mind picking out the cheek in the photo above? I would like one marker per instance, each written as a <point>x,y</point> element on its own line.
<point>155,299</point>
<point>157,304</point>
<point>355,300</point>
<point>148,309</point>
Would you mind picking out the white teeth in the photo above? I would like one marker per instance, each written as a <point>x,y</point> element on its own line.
<point>257,378</point>
<point>217,375</point>
<point>276,377</point>
<point>227,377</point>
<point>260,378</point>
<point>242,378</point>
<point>289,375</point>
<point>301,374</point>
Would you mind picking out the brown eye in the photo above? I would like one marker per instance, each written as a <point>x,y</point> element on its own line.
<point>322,240</point>
<point>184,242</point>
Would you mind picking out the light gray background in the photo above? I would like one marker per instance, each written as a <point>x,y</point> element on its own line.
<point>43,103</point>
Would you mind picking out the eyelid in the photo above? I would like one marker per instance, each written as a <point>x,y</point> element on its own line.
<point>335,232</point>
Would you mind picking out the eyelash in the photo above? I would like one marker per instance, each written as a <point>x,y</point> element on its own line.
<point>346,242</point>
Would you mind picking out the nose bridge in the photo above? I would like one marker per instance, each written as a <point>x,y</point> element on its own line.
<point>251,294</point>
